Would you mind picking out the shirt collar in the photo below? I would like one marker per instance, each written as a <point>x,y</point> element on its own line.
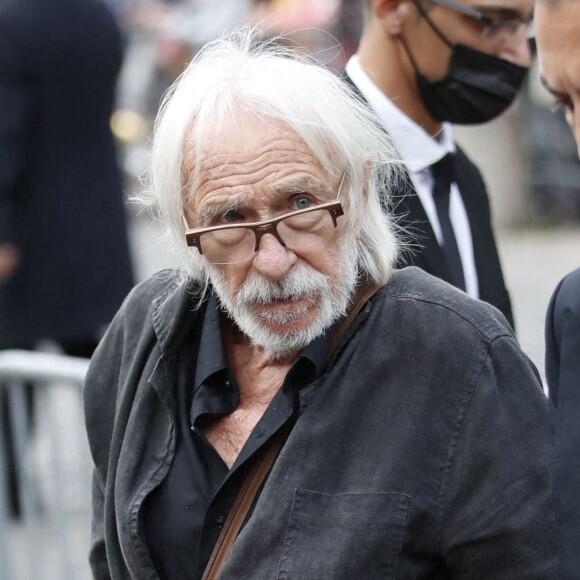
<point>417,148</point>
<point>211,355</point>
<point>215,389</point>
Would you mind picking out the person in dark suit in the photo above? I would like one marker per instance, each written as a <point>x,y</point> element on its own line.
<point>422,64</point>
<point>563,376</point>
<point>65,267</point>
<point>64,255</point>
<point>558,40</point>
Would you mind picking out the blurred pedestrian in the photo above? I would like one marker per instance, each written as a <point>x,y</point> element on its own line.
<point>64,271</point>
<point>421,65</point>
<point>64,256</point>
<point>557,25</point>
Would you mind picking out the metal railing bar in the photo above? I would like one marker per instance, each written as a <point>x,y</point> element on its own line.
<point>44,370</point>
<point>5,571</point>
<point>27,486</point>
<point>40,366</point>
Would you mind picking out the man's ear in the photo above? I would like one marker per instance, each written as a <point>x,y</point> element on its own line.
<point>392,14</point>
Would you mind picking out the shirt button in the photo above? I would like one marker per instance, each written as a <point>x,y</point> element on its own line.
<point>219,520</point>
<point>227,383</point>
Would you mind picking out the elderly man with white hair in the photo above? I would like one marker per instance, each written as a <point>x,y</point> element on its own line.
<point>288,405</point>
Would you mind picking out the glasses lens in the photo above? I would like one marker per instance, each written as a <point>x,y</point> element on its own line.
<point>229,246</point>
<point>500,29</point>
<point>310,231</point>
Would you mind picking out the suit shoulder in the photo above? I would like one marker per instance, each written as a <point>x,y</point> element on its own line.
<point>571,283</point>
<point>435,298</point>
<point>462,158</point>
<point>469,169</point>
<point>567,294</point>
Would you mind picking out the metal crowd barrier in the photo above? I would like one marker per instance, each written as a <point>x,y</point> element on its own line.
<point>48,538</point>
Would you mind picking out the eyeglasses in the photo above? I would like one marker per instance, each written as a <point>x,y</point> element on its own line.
<point>493,28</point>
<point>308,229</point>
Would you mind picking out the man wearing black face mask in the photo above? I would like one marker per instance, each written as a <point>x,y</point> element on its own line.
<point>422,64</point>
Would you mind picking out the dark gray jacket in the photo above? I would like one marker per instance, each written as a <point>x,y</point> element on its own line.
<point>421,453</point>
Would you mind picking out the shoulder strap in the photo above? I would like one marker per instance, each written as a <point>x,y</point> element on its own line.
<point>270,451</point>
<point>243,503</point>
<point>363,293</point>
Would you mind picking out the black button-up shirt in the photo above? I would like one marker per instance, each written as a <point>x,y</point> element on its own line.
<point>183,517</point>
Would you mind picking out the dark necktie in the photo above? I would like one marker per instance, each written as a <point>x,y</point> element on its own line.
<point>444,176</point>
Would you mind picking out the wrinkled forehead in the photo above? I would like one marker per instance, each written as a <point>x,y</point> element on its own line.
<point>245,154</point>
<point>209,146</point>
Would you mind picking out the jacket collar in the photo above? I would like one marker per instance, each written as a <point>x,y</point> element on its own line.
<point>176,309</point>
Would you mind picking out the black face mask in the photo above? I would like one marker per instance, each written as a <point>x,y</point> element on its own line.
<point>476,88</point>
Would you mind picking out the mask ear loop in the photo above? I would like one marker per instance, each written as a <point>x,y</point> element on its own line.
<point>431,24</point>
<point>409,54</point>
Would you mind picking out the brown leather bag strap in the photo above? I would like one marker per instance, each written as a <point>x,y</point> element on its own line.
<point>262,465</point>
<point>243,502</point>
<point>364,291</point>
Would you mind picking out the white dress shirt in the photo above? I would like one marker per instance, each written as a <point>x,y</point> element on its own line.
<point>419,151</point>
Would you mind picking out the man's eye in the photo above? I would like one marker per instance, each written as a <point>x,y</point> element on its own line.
<point>302,202</point>
<point>230,216</point>
<point>505,24</point>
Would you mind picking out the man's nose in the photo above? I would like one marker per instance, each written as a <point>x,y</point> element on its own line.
<point>273,260</point>
<point>516,47</point>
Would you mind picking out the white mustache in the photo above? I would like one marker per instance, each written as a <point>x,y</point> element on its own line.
<point>298,283</point>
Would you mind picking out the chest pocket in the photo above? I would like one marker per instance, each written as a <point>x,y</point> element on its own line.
<point>344,536</point>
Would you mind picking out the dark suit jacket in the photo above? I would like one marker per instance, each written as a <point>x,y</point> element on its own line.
<point>563,375</point>
<point>426,252</point>
<point>61,201</point>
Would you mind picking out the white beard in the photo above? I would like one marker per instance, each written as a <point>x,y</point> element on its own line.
<point>330,297</point>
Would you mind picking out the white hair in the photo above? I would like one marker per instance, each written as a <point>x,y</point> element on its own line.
<point>240,74</point>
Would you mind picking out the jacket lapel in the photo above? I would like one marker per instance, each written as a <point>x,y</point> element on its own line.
<point>425,251</point>
<point>475,202</point>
